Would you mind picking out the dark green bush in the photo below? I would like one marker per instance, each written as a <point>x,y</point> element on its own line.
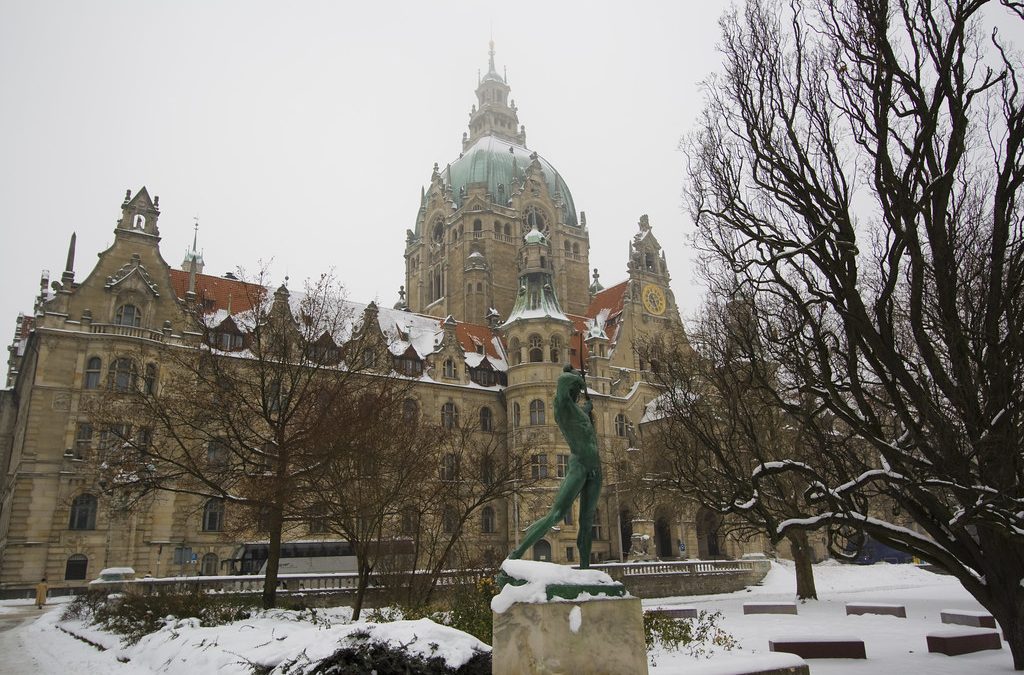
<point>133,616</point>
<point>384,659</point>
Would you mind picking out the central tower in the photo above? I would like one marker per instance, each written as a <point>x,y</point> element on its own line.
<point>462,256</point>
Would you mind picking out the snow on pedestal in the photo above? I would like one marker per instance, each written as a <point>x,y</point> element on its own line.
<point>594,632</point>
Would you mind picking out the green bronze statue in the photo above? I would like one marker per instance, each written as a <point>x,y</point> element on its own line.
<point>583,479</point>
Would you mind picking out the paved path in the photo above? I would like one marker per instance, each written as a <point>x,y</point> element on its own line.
<point>15,657</point>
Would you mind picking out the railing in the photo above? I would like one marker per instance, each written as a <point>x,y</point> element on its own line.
<point>327,582</point>
<point>127,331</point>
<point>678,567</point>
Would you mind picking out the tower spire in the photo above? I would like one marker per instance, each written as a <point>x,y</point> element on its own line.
<point>492,115</point>
<point>490,54</point>
<point>193,258</point>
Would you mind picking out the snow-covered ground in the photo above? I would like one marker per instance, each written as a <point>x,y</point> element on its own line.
<point>894,645</point>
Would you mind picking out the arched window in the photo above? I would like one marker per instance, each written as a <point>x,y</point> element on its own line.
<point>487,470</point>
<point>536,349</point>
<point>209,568</point>
<point>516,416</point>
<point>76,568</point>
<point>449,415</point>
<point>575,249</point>
<point>537,412</point>
<point>486,419</point>
<point>122,374</point>
<point>128,315</point>
<point>556,349</point>
<point>477,227</point>
<point>410,410</point>
<point>83,513</point>
<point>649,262</point>
<point>438,234</point>
<point>568,247</point>
<point>622,425</point>
<point>515,351</point>
<point>149,379</point>
<point>488,523</point>
<point>479,287</point>
<point>508,230</point>
<point>449,368</point>
<point>93,368</point>
<point>213,515</point>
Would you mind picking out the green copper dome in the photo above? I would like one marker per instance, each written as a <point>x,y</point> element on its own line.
<point>496,162</point>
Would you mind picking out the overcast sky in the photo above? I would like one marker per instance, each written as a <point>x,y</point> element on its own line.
<point>302,132</point>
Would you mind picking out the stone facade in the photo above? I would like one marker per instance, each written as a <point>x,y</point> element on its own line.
<point>470,261</point>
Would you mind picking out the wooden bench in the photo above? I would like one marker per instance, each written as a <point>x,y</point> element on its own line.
<point>675,612</point>
<point>860,608</point>
<point>966,617</point>
<point>954,642</point>
<point>769,608</point>
<point>820,647</point>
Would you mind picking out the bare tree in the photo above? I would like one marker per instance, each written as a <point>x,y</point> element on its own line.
<point>857,169</point>
<point>238,415</point>
<point>373,473</point>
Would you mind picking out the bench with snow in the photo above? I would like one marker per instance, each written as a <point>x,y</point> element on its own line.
<point>956,641</point>
<point>674,612</point>
<point>778,663</point>
<point>820,647</point>
<point>967,617</point>
<point>859,608</point>
<point>769,608</point>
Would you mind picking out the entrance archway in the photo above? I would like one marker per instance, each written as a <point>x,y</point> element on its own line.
<point>542,551</point>
<point>709,545</point>
<point>663,536</point>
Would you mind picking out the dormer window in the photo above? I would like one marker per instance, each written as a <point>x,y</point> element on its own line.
<point>449,368</point>
<point>128,315</point>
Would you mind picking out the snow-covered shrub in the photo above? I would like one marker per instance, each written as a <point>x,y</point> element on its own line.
<point>699,637</point>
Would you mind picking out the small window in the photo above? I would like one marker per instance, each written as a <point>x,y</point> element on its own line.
<point>516,416</point>
<point>450,467</point>
<point>556,349</point>
<point>122,375</point>
<point>515,352</point>
<point>539,466</point>
<point>217,453</point>
<point>562,465</point>
<point>449,520</point>
<point>487,471</point>
<point>83,440</point>
<point>536,349</point>
<point>213,515</point>
<point>537,415</point>
<point>93,368</point>
<point>369,358</point>
<point>623,426</point>
<point>409,518</point>
<point>128,315</point>
<point>570,554</point>
<point>209,566</point>
<point>449,368</point>
<point>318,520</point>
<point>410,410</point>
<point>596,531</point>
<point>488,522</point>
<point>486,419</point>
<point>76,568</point>
<point>83,513</point>
<point>449,416</point>
<point>149,380</point>
<point>568,518</point>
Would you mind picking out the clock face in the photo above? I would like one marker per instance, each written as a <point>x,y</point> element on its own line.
<point>654,299</point>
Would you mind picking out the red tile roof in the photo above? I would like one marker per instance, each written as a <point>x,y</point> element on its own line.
<point>466,332</point>
<point>216,291</point>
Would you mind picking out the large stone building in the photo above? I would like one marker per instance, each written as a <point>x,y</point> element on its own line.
<point>498,295</point>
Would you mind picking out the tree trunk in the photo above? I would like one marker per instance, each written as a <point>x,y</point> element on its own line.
<point>1009,614</point>
<point>802,558</point>
<point>361,584</point>
<point>273,558</point>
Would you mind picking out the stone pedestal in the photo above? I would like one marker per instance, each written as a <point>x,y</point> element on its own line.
<point>589,636</point>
